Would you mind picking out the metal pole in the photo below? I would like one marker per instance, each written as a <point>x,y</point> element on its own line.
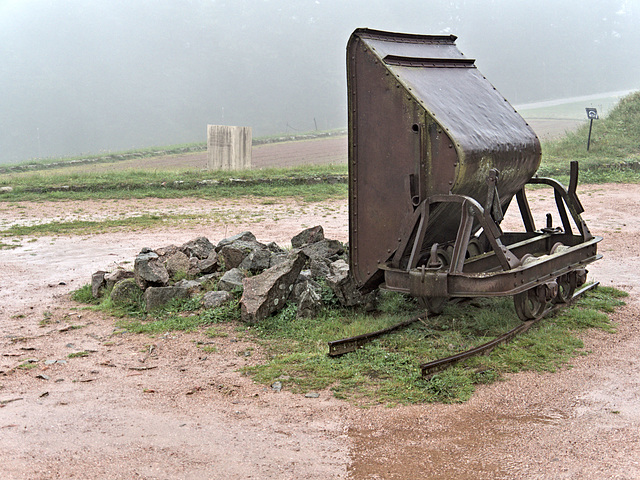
<point>589,139</point>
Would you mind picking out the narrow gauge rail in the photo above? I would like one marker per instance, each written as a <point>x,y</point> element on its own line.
<point>351,344</point>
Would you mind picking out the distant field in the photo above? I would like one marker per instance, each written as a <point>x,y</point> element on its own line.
<point>321,151</point>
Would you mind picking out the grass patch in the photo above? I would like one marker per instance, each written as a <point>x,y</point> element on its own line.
<point>614,154</point>
<point>183,316</point>
<point>83,353</point>
<point>27,366</point>
<point>84,295</point>
<point>311,182</point>
<point>85,227</point>
<point>387,370</point>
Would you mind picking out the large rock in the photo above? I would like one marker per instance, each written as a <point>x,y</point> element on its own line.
<point>97,283</point>
<point>126,292</point>
<point>309,302</point>
<point>267,293</point>
<point>200,248</point>
<point>257,261</point>
<point>273,247</point>
<point>209,264</point>
<point>345,288</point>
<point>328,250</point>
<point>166,251</point>
<point>149,270</point>
<point>157,297</point>
<point>319,268</point>
<point>192,286</point>
<point>244,236</point>
<point>233,254</point>
<point>304,282</point>
<point>114,277</point>
<point>310,235</point>
<point>232,280</point>
<point>216,299</point>
<point>177,263</point>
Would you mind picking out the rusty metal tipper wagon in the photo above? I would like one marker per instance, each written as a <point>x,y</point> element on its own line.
<point>436,155</point>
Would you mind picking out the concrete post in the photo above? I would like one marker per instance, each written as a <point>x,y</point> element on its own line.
<point>228,148</point>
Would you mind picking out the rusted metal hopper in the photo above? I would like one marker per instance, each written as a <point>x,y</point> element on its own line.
<point>436,154</point>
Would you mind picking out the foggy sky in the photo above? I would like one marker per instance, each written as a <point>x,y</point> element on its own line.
<point>90,76</point>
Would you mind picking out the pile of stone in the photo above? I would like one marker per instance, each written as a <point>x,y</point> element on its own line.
<point>267,276</point>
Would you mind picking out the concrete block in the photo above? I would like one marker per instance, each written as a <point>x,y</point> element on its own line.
<point>228,148</point>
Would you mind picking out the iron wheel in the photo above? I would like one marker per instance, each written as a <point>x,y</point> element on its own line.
<point>528,304</point>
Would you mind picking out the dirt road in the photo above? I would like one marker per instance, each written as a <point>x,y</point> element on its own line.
<point>132,406</point>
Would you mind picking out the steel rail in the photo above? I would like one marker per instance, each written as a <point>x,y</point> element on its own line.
<point>350,344</point>
<point>431,368</point>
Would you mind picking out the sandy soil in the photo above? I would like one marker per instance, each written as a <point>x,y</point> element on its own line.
<point>163,407</point>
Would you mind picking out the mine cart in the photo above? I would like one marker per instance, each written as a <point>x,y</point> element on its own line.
<point>436,155</point>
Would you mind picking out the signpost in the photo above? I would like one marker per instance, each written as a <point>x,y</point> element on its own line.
<point>592,114</point>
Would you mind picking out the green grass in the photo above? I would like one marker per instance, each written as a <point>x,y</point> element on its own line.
<point>387,370</point>
<point>306,182</point>
<point>178,315</point>
<point>28,366</point>
<point>83,227</point>
<point>83,353</point>
<point>571,111</point>
<point>614,154</point>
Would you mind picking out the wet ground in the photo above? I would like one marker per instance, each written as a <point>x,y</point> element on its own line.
<point>162,407</point>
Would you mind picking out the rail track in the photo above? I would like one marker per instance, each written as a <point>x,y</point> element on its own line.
<point>351,344</point>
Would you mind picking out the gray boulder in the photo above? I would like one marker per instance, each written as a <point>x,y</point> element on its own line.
<point>257,260</point>
<point>309,303</point>
<point>328,250</point>
<point>273,247</point>
<point>232,254</point>
<point>232,280</point>
<point>304,282</point>
<point>321,254</point>
<point>114,277</point>
<point>216,299</point>
<point>244,236</point>
<point>209,264</point>
<point>200,248</point>
<point>166,251</point>
<point>149,270</point>
<point>126,292</point>
<point>176,263</point>
<point>277,258</point>
<point>345,288</point>
<point>192,286</point>
<point>319,268</point>
<point>310,235</point>
<point>97,283</point>
<point>267,292</point>
<point>156,297</point>
<point>250,255</point>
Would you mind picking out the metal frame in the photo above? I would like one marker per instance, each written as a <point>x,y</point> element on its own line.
<point>500,271</point>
